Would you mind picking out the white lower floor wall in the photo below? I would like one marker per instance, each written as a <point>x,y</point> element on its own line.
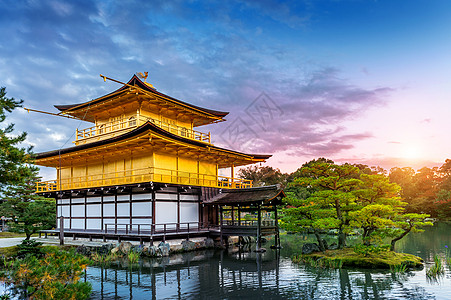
<point>129,211</point>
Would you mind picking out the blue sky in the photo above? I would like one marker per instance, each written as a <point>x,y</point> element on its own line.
<point>358,81</point>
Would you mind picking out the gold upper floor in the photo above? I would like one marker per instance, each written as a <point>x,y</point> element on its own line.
<point>114,126</point>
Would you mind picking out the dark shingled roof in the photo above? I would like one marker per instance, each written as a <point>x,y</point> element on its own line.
<point>136,81</point>
<point>264,194</point>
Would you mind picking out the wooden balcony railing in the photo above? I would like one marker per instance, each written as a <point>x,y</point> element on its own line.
<point>142,175</point>
<point>112,128</point>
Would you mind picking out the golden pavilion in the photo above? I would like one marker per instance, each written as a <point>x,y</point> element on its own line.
<point>144,169</point>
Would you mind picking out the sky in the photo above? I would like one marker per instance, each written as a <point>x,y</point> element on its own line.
<point>354,81</point>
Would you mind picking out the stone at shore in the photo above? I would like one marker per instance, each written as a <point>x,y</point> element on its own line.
<point>125,247</point>
<point>309,248</point>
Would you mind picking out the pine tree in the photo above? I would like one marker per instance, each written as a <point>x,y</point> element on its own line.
<point>14,160</point>
<point>29,212</point>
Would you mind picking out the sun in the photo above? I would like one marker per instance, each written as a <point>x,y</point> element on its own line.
<point>411,152</point>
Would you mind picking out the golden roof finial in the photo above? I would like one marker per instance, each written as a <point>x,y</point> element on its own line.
<point>144,76</point>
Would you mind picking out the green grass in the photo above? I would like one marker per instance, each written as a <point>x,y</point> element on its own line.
<point>7,234</point>
<point>382,260</point>
<point>436,270</point>
<point>9,251</point>
<point>398,268</point>
<point>133,257</point>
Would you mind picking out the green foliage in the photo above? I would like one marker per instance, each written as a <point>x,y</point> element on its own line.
<point>320,198</point>
<point>262,176</point>
<point>103,259</point>
<point>443,204</point>
<point>426,191</point>
<point>29,212</point>
<point>55,276</point>
<point>133,256</point>
<point>401,268</point>
<point>5,297</point>
<point>367,250</point>
<point>29,216</point>
<point>381,260</point>
<point>406,223</point>
<point>437,270</point>
<point>324,196</point>
<point>29,247</point>
<point>14,161</point>
<point>324,263</point>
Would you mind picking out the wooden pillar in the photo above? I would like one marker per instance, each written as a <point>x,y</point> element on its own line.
<point>233,215</point>
<point>232,175</point>
<point>178,209</point>
<point>277,242</point>
<point>152,229</point>
<point>61,230</point>
<point>239,215</point>
<point>259,229</point>
<point>220,223</point>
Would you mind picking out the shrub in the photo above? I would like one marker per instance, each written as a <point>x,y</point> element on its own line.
<point>54,276</point>
<point>29,247</point>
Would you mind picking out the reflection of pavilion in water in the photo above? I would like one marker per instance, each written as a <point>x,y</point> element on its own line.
<point>232,275</point>
<point>204,274</point>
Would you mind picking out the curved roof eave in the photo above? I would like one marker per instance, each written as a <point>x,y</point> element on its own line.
<point>265,194</point>
<point>148,126</point>
<point>142,85</point>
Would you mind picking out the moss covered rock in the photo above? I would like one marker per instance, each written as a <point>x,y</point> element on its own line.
<point>382,260</point>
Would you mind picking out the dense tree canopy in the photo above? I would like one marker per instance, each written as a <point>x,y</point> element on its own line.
<point>29,212</point>
<point>322,195</point>
<point>14,160</point>
<point>261,176</point>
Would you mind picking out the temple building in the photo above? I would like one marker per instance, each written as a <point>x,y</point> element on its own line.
<point>144,171</point>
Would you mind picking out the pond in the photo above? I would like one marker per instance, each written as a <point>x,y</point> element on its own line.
<point>232,274</point>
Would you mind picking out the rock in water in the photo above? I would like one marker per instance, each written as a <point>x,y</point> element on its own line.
<point>209,243</point>
<point>309,248</point>
<point>125,247</point>
<point>164,248</point>
<point>188,245</point>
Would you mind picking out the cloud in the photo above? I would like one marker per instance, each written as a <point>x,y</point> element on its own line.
<point>208,55</point>
<point>307,117</point>
<point>390,162</point>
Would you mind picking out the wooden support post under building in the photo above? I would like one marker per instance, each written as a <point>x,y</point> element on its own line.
<point>239,215</point>
<point>61,230</point>
<point>220,224</point>
<point>277,243</point>
<point>233,215</point>
<point>259,228</point>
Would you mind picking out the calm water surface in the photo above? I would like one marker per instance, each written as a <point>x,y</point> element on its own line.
<point>233,274</point>
<point>247,275</point>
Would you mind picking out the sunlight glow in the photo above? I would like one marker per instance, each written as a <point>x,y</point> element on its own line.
<point>411,152</point>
